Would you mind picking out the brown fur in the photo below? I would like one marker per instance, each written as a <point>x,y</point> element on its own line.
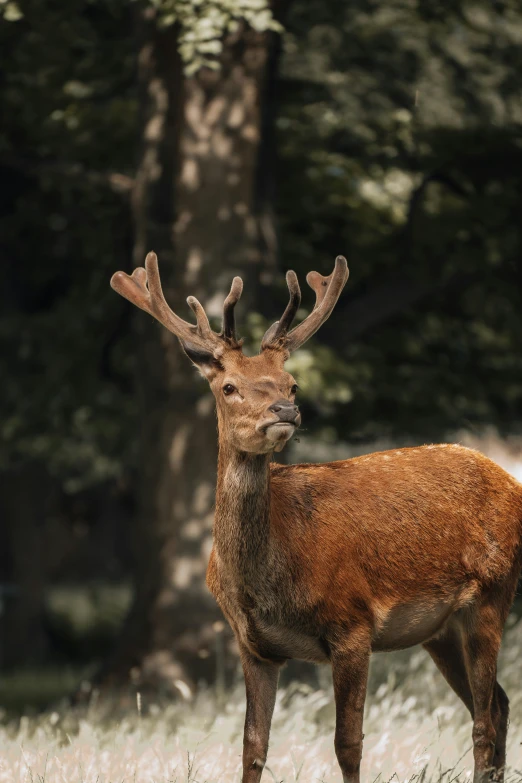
<point>329,562</point>
<point>393,549</point>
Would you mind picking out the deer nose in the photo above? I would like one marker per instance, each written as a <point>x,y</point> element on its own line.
<point>285,410</point>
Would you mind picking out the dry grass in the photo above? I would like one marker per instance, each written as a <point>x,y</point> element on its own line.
<point>415,728</point>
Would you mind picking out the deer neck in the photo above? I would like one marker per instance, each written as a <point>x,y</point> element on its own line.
<point>242,519</point>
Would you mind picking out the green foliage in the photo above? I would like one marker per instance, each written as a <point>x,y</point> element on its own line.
<point>400,129</point>
<point>204,23</point>
<point>70,108</point>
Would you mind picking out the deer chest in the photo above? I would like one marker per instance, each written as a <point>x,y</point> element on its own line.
<point>268,633</point>
<point>260,623</point>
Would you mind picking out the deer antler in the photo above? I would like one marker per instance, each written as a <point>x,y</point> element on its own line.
<point>279,329</point>
<point>327,292</point>
<point>229,324</point>
<point>143,289</point>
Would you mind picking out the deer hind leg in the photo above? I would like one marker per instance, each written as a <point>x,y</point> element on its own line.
<point>350,660</point>
<point>500,721</point>
<point>482,636</point>
<point>448,653</point>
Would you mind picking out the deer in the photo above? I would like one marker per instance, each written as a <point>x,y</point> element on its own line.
<point>330,562</point>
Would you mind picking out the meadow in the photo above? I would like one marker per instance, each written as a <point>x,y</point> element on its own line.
<point>415,730</point>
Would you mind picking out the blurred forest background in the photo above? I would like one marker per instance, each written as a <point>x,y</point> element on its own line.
<point>231,137</point>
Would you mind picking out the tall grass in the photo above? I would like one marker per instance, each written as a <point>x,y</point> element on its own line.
<point>415,727</point>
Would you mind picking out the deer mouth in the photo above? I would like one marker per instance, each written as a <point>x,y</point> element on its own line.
<point>284,426</point>
<point>280,431</point>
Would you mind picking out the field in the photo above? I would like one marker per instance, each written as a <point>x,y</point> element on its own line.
<point>415,729</point>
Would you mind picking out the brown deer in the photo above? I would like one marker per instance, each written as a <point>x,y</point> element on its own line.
<point>327,563</point>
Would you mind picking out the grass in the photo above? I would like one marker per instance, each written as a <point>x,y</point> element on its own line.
<point>415,730</point>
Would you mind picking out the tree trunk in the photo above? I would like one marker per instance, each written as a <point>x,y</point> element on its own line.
<point>201,202</point>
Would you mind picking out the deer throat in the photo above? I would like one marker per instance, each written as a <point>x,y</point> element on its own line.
<point>242,519</point>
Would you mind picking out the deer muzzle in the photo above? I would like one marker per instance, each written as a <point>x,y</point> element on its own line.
<point>286,412</point>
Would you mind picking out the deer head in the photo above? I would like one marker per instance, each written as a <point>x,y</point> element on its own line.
<point>255,396</point>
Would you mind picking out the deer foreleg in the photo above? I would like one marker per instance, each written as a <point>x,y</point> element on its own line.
<point>261,685</point>
<point>350,660</point>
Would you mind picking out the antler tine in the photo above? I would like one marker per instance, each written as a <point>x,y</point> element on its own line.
<point>152,300</point>
<point>162,311</point>
<point>279,329</point>
<point>319,284</point>
<point>327,292</point>
<point>229,324</point>
<point>133,287</point>
<point>197,308</point>
<point>293,303</point>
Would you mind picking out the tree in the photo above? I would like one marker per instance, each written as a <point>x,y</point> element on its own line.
<point>201,200</point>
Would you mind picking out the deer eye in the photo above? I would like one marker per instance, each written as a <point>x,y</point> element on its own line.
<point>294,389</point>
<point>228,389</point>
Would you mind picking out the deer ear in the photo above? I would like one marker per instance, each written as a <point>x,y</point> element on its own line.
<point>205,361</point>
